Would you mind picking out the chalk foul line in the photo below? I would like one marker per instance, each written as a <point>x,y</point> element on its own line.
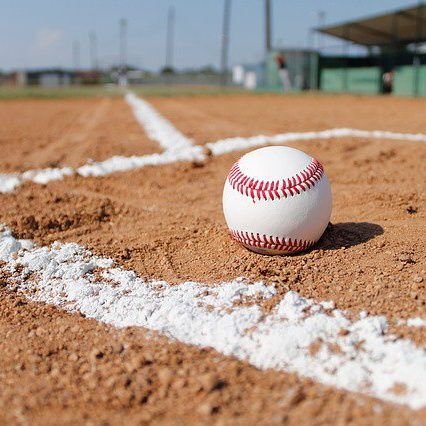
<point>312,339</point>
<point>177,147</point>
<point>157,127</point>
<point>9,182</point>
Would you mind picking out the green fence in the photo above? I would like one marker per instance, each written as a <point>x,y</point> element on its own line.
<point>332,80</point>
<point>354,80</point>
<point>410,81</point>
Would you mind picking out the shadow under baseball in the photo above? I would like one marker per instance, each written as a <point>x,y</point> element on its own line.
<point>348,234</point>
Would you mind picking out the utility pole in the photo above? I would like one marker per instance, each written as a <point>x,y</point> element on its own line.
<point>76,55</point>
<point>225,40</point>
<point>123,44</point>
<point>170,37</point>
<point>93,50</point>
<point>122,75</point>
<point>268,26</point>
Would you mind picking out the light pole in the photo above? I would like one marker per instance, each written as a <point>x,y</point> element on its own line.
<point>170,37</point>
<point>268,26</point>
<point>225,41</point>
<point>93,51</point>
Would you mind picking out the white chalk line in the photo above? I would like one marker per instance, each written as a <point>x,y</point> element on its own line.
<point>413,322</point>
<point>369,359</point>
<point>281,341</point>
<point>227,145</point>
<point>180,148</point>
<point>156,126</point>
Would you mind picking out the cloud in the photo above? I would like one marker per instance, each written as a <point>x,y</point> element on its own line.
<point>47,38</point>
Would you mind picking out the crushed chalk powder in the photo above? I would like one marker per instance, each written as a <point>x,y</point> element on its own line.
<point>368,361</point>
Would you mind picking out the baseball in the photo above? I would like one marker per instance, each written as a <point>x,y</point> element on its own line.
<point>277,200</point>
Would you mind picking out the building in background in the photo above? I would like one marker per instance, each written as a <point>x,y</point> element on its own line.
<point>51,77</point>
<point>395,61</point>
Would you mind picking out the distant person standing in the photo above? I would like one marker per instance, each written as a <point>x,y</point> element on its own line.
<point>283,71</point>
<point>388,81</point>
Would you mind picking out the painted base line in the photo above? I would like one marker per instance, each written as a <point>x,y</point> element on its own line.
<point>235,144</point>
<point>311,339</point>
<point>413,322</point>
<point>179,148</point>
<point>120,164</point>
<point>156,126</point>
<point>9,182</point>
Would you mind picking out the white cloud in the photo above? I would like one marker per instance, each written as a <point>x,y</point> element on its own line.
<point>47,38</point>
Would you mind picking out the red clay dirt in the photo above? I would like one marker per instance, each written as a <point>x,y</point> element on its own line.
<point>55,133</point>
<point>166,222</point>
<point>208,118</point>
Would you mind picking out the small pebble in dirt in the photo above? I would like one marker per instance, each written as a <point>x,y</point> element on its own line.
<point>117,348</point>
<point>294,397</point>
<point>207,409</point>
<point>406,258</point>
<point>418,279</point>
<point>165,376</point>
<point>414,295</point>
<point>211,382</point>
<point>198,164</point>
<point>96,354</point>
<point>73,357</point>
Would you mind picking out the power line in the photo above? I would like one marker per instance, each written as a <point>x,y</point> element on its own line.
<point>225,40</point>
<point>170,37</point>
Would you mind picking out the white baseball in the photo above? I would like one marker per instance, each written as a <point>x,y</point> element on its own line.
<point>277,200</point>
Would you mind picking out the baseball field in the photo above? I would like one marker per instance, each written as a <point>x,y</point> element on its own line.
<point>125,301</point>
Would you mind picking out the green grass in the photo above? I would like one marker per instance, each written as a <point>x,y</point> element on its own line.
<point>36,92</point>
<point>184,90</point>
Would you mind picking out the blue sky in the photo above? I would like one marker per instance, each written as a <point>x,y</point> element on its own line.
<point>40,33</point>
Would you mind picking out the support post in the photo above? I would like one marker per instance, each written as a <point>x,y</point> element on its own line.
<point>225,41</point>
<point>123,44</point>
<point>170,37</point>
<point>93,51</point>
<point>419,35</point>
<point>268,26</point>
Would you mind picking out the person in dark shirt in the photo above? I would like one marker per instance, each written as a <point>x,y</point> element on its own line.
<point>283,71</point>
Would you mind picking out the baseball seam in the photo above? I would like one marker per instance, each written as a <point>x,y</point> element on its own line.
<point>259,189</point>
<point>270,242</point>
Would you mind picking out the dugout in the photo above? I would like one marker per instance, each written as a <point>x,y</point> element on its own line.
<point>395,44</point>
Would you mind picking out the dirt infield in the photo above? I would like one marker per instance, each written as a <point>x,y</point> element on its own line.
<point>62,366</point>
<point>166,222</point>
<point>206,119</point>
<point>55,133</point>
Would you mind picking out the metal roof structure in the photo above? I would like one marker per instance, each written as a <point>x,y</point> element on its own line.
<point>399,27</point>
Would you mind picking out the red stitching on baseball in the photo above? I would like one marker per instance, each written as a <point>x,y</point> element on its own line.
<point>286,245</point>
<point>262,189</point>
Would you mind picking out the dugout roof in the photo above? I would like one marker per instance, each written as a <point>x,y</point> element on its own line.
<point>402,26</point>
